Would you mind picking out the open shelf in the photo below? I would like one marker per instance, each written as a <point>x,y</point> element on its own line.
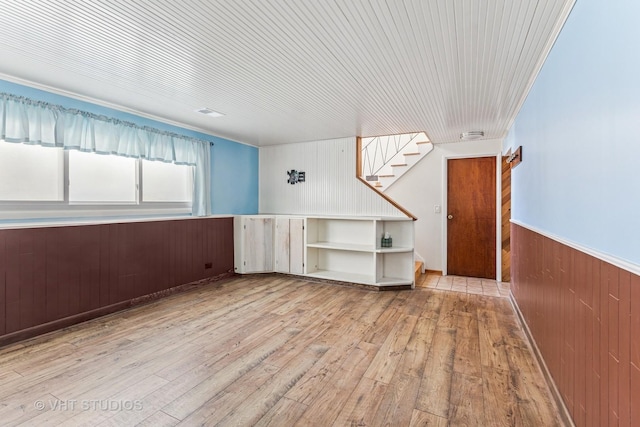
<point>349,249</point>
<point>341,246</point>
<point>394,268</point>
<point>393,250</point>
<point>342,276</point>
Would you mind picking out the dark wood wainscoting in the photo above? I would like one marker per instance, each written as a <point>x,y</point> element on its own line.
<point>51,274</point>
<point>584,315</point>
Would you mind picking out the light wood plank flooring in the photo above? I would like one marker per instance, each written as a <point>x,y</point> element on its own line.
<point>270,350</point>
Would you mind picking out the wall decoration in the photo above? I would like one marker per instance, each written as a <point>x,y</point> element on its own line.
<point>295,176</point>
<point>515,158</point>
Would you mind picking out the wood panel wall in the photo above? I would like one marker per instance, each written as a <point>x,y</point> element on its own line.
<point>506,220</point>
<point>584,315</point>
<point>50,274</point>
<point>331,187</point>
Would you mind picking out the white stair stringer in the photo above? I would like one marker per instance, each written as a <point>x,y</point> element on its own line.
<point>401,163</point>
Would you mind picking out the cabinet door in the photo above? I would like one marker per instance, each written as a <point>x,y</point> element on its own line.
<point>258,243</point>
<point>296,245</point>
<point>289,245</point>
<point>282,245</point>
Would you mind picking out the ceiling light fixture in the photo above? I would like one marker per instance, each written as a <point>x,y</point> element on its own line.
<point>471,135</point>
<point>208,112</point>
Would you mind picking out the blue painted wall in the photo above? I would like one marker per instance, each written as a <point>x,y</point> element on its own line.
<point>234,166</point>
<point>580,132</point>
<point>234,170</point>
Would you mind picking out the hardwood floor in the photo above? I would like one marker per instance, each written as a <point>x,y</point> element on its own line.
<point>270,350</point>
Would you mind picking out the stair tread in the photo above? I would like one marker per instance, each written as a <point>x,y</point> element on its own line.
<point>386,176</point>
<point>411,154</point>
<point>423,142</point>
<point>399,164</point>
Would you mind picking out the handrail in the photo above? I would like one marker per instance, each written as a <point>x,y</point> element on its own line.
<point>371,163</point>
<point>383,195</point>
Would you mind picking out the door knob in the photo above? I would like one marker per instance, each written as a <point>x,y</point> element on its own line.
<point>449,216</point>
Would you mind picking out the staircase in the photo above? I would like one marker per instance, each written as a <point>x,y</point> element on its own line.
<point>386,158</point>
<point>417,271</point>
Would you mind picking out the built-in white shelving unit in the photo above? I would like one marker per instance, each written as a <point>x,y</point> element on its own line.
<point>349,249</point>
<point>346,249</point>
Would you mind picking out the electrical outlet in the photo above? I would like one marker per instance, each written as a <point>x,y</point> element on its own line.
<point>437,209</point>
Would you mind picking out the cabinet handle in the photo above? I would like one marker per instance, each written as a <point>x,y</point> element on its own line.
<point>449,216</point>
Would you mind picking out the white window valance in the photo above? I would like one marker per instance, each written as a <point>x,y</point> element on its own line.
<point>24,120</point>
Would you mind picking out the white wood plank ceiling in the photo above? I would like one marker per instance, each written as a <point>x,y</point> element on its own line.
<point>289,70</point>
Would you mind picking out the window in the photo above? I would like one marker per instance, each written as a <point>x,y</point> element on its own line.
<point>31,172</point>
<point>33,178</point>
<point>101,179</point>
<point>166,182</point>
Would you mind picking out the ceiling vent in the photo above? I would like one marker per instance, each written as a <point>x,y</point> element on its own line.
<point>208,112</point>
<point>471,135</point>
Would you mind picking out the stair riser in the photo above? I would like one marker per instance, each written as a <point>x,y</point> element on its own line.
<point>398,171</point>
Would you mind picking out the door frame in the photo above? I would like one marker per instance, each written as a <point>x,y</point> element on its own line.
<point>498,219</point>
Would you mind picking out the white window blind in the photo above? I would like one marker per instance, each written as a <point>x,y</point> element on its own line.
<point>166,182</point>
<point>31,172</point>
<point>101,179</point>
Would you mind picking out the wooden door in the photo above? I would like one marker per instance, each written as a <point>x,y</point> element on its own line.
<point>471,217</point>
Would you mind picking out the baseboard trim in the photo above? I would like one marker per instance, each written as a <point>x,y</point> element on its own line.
<point>65,322</point>
<point>565,415</point>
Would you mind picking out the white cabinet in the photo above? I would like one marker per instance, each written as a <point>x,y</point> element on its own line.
<point>349,249</point>
<point>289,245</point>
<point>345,249</point>
<point>253,244</point>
